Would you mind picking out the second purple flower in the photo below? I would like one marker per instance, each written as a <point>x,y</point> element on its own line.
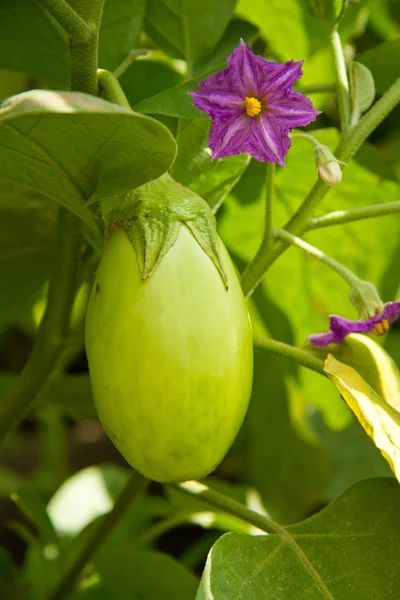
<point>253,107</point>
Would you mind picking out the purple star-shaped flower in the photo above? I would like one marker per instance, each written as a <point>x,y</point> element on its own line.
<point>253,107</point>
<point>340,328</point>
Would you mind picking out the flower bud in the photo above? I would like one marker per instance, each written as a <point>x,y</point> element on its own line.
<point>328,165</point>
<point>365,297</point>
<point>331,173</point>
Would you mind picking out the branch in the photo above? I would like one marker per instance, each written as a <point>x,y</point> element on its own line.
<point>356,214</point>
<point>292,353</point>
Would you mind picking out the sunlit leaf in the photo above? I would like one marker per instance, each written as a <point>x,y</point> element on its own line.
<point>380,419</point>
<point>362,88</point>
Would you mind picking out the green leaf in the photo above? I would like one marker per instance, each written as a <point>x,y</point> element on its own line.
<point>176,101</point>
<point>236,30</point>
<point>122,150</point>
<point>348,550</point>
<point>187,29</point>
<point>379,418</point>
<point>193,167</point>
<point>32,42</point>
<point>145,575</point>
<point>383,62</point>
<point>27,238</point>
<point>362,88</point>
<point>371,158</point>
<point>147,78</point>
<point>120,30</point>
<point>291,32</point>
<point>354,455</point>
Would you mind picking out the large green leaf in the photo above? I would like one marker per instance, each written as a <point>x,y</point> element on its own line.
<point>70,147</point>
<point>187,29</point>
<point>348,550</point>
<point>384,63</point>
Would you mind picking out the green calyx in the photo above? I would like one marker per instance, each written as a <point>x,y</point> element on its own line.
<point>152,215</point>
<point>365,297</point>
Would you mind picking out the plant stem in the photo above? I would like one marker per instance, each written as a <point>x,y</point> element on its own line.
<point>128,60</point>
<point>305,136</point>
<point>163,527</point>
<point>136,485</point>
<point>269,197</point>
<point>300,221</point>
<point>73,24</point>
<point>84,53</point>
<point>291,353</point>
<point>356,214</point>
<point>341,270</point>
<point>53,329</point>
<point>342,82</point>
<point>110,88</point>
<point>203,492</point>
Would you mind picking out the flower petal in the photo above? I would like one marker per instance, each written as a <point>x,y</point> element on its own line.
<point>340,328</point>
<point>296,110</point>
<point>228,137</point>
<point>268,141</point>
<point>323,339</point>
<point>246,71</point>
<point>281,83</point>
<point>215,96</point>
<point>391,311</point>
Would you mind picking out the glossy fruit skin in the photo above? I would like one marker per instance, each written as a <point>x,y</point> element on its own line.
<point>170,358</point>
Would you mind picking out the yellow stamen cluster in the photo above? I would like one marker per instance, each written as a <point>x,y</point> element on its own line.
<point>381,328</point>
<point>252,106</point>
